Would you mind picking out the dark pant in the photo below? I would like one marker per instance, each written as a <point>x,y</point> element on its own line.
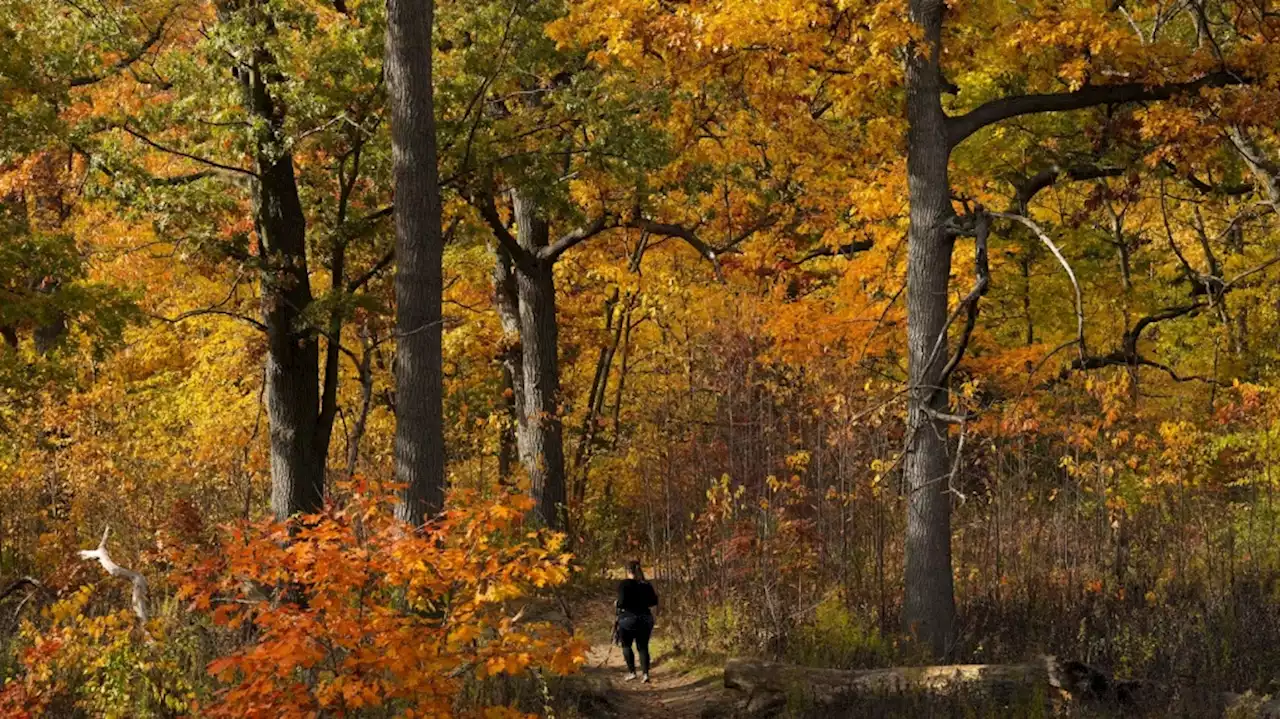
<point>635,628</point>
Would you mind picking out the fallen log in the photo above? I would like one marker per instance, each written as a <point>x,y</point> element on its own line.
<point>771,687</point>
<point>754,676</point>
<point>1250,706</point>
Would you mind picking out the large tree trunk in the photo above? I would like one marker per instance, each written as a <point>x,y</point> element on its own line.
<point>299,437</point>
<point>419,256</point>
<point>929,606</point>
<point>540,435</point>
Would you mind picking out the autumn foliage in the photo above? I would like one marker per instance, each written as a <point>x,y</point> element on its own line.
<point>686,230</point>
<point>378,615</point>
<point>344,612</point>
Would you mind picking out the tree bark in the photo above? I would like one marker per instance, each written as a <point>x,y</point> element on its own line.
<point>419,256</point>
<point>292,395</point>
<point>540,435</point>
<point>366,402</point>
<point>506,299</point>
<point>596,398</point>
<point>299,436</point>
<point>929,606</point>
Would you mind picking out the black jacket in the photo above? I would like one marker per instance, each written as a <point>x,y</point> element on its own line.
<point>635,597</point>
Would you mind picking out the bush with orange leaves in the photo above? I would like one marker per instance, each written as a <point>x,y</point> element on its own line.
<point>349,613</point>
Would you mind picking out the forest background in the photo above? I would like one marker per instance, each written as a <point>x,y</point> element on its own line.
<point>881,331</point>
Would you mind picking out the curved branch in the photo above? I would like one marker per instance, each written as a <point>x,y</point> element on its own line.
<point>845,250</point>
<point>962,126</point>
<point>138,581</point>
<point>20,582</point>
<point>1123,359</point>
<point>1029,188</point>
<point>1131,338</point>
<point>211,311</point>
<point>1061,260</point>
<point>684,233</point>
<point>981,280</point>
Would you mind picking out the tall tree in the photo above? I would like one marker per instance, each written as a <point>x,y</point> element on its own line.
<point>853,64</point>
<point>929,603</point>
<point>226,101</point>
<point>419,256</point>
<point>929,606</point>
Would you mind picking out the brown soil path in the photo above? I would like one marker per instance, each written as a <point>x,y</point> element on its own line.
<point>676,691</point>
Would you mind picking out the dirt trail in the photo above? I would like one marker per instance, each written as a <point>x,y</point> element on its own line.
<point>674,692</point>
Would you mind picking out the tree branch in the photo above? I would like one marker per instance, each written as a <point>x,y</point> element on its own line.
<point>689,236</point>
<point>552,252</point>
<point>372,272</point>
<point>1128,354</point>
<point>1029,188</point>
<point>1121,359</point>
<point>358,228</point>
<point>1061,260</point>
<point>1130,342</point>
<point>211,311</point>
<point>962,126</point>
<point>981,281</point>
<point>186,155</point>
<point>138,581</point>
<point>485,204</point>
<point>128,60</point>
<point>20,582</point>
<point>846,250</point>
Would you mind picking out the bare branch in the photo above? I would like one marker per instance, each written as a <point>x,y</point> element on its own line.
<point>846,250</point>
<point>216,309</point>
<point>1029,188</point>
<point>212,311</point>
<point>981,280</point>
<point>20,582</point>
<point>186,155</point>
<point>138,581</point>
<point>684,233</point>
<point>1061,260</point>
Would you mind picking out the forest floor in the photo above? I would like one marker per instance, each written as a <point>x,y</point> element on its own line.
<point>679,688</point>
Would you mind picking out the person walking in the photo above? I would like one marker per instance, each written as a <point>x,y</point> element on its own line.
<point>635,620</point>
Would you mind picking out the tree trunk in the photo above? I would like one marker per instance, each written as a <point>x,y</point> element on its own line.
<point>299,442</point>
<point>929,605</point>
<point>596,398</point>
<point>419,256</point>
<point>366,402</point>
<point>293,379</point>
<point>540,435</point>
<point>506,299</point>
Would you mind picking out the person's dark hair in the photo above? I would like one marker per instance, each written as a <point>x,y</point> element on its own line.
<point>633,569</point>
